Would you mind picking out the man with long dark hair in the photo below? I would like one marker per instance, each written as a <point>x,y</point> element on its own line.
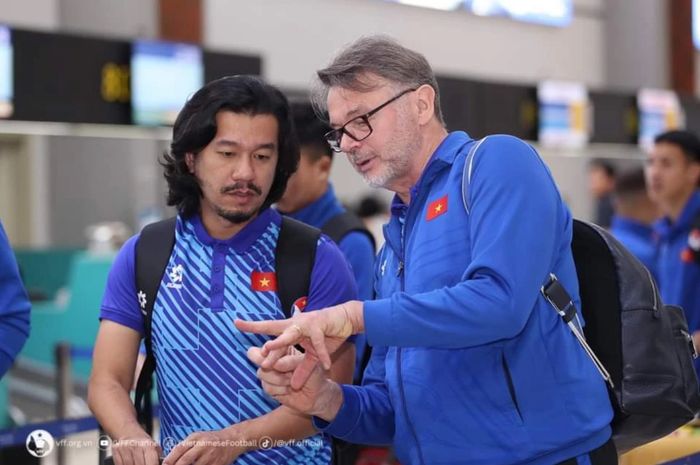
<point>232,152</point>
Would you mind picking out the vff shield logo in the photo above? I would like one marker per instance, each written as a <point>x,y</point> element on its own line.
<point>175,275</point>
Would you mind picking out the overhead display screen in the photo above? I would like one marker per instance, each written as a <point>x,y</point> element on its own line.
<point>696,23</point>
<point>547,12</point>
<point>163,76</point>
<point>564,114</point>
<point>70,78</point>
<point>660,110</point>
<point>6,73</point>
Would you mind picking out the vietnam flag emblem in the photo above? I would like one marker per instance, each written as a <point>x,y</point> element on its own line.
<point>299,305</point>
<point>687,255</point>
<point>263,281</point>
<point>436,208</point>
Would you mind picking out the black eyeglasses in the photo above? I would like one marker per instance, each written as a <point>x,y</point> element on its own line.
<point>358,128</point>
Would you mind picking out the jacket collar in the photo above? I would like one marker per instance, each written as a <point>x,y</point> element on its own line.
<point>318,212</point>
<point>244,238</point>
<point>665,228</point>
<point>443,157</point>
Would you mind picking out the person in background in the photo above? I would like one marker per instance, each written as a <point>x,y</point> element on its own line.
<point>601,184</point>
<point>310,198</point>
<point>673,174</point>
<point>470,365</point>
<point>375,214</point>
<point>14,306</point>
<point>634,215</point>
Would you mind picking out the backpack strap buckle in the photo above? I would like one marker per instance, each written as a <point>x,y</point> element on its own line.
<point>557,296</point>
<point>561,302</point>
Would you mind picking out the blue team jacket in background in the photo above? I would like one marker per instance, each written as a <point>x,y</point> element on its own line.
<point>638,238</point>
<point>471,365</point>
<point>14,306</point>
<point>679,278</point>
<point>356,247</point>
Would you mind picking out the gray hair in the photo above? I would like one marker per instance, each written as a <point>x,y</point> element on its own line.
<point>376,55</point>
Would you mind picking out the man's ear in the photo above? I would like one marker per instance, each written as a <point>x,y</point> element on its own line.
<point>694,171</point>
<point>322,167</point>
<point>426,103</point>
<point>324,164</point>
<point>189,161</point>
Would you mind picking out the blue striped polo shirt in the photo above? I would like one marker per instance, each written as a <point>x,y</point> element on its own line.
<point>205,381</point>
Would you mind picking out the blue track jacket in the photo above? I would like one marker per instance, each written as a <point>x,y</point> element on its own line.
<point>14,306</point>
<point>471,365</point>
<point>679,275</point>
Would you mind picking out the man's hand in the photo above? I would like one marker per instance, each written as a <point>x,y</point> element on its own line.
<point>319,396</point>
<point>136,448</point>
<point>208,448</point>
<point>320,332</point>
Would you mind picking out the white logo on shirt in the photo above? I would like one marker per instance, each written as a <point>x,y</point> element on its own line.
<point>383,267</point>
<point>175,275</point>
<point>694,240</point>
<point>142,301</point>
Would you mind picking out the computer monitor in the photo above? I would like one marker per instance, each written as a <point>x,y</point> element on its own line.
<point>6,73</point>
<point>163,76</point>
<point>546,12</point>
<point>696,23</point>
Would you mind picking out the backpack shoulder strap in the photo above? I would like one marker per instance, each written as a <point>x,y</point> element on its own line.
<point>294,259</point>
<point>344,223</point>
<point>552,290</point>
<point>467,175</point>
<point>153,251</point>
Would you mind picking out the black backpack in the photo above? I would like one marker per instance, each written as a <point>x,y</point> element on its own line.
<point>344,223</point>
<point>294,259</point>
<point>641,347</point>
<point>644,345</point>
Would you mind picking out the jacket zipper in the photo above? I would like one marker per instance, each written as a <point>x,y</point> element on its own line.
<point>400,273</point>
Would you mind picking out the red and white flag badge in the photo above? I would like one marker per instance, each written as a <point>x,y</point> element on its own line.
<point>691,253</point>
<point>436,208</point>
<point>687,255</point>
<point>299,305</point>
<point>263,281</point>
<point>694,240</point>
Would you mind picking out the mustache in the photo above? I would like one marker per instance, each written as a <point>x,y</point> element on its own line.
<point>354,157</point>
<point>241,186</point>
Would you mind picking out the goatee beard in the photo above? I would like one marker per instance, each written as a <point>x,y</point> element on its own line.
<point>235,217</point>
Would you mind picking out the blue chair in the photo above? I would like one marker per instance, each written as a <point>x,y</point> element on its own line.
<point>72,317</point>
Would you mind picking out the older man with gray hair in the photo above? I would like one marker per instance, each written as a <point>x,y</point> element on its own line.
<point>470,364</point>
